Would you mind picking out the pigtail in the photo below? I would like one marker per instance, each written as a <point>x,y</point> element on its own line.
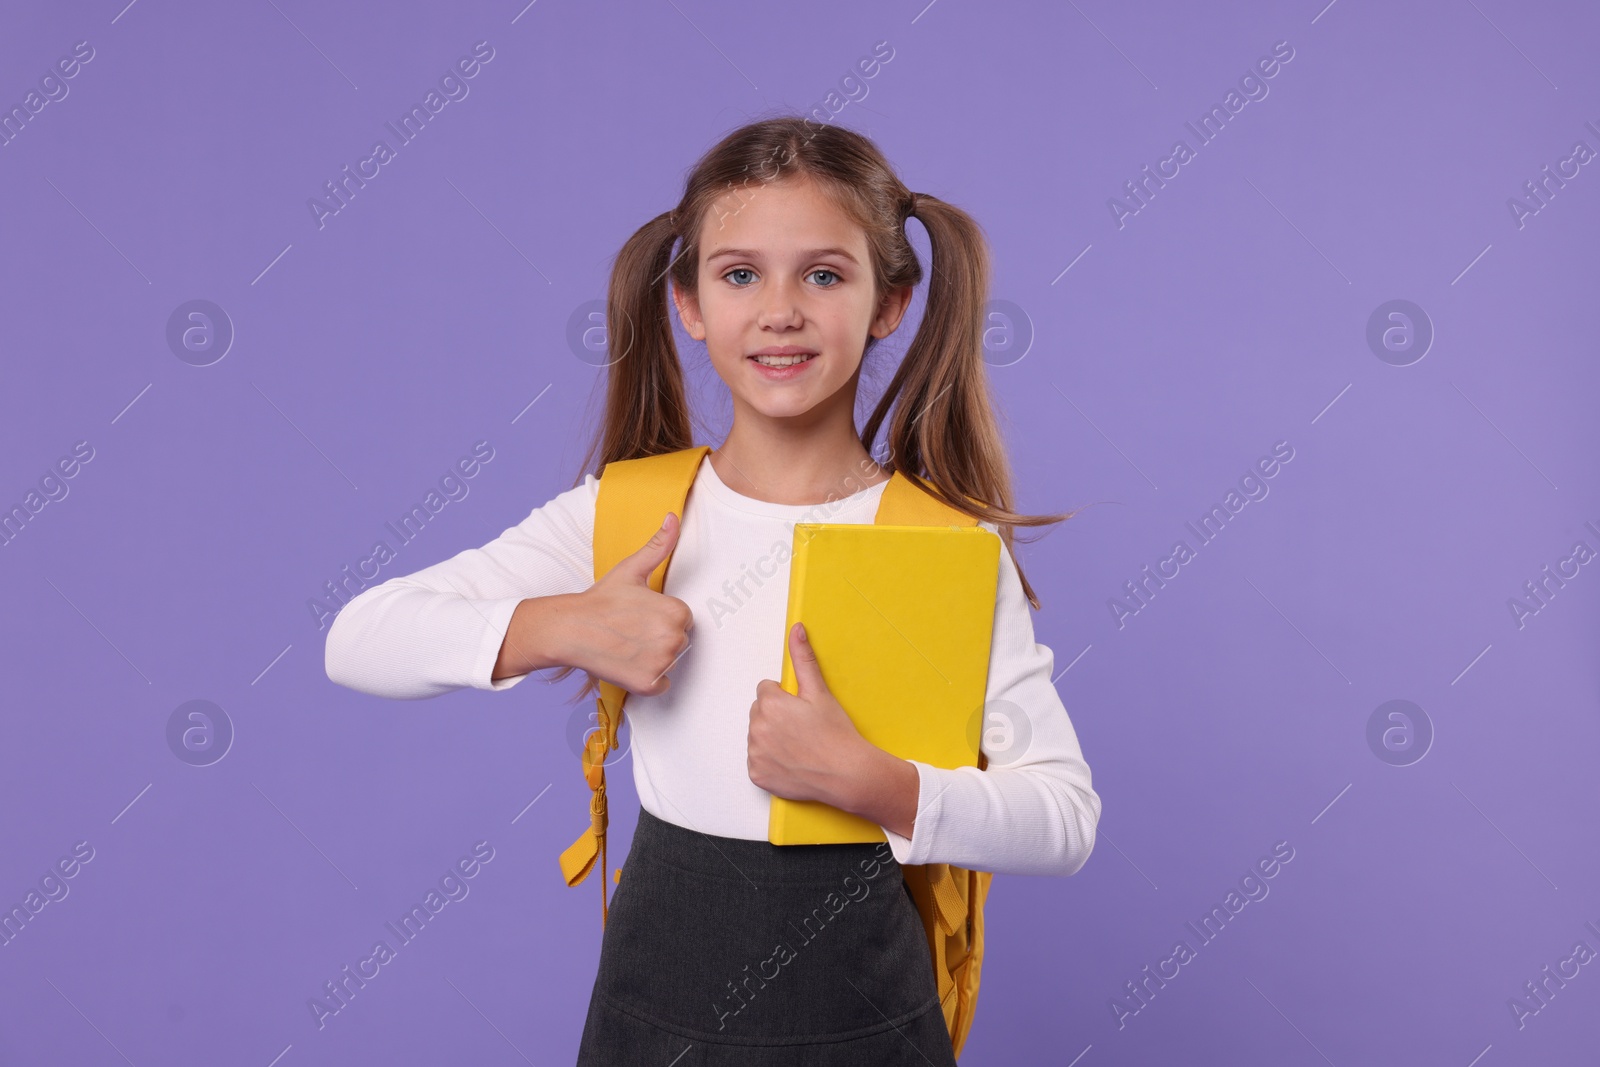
<point>646,406</point>
<point>943,433</point>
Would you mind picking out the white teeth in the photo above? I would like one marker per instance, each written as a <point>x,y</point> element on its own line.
<point>781,361</point>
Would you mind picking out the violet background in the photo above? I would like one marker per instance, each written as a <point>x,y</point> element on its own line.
<point>1229,314</point>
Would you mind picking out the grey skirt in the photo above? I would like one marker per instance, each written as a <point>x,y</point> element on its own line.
<point>721,950</point>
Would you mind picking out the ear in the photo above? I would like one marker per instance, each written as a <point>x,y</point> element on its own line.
<point>689,313</point>
<point>890,311</point>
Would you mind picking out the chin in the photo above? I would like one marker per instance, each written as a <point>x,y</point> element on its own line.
<point>782,411</point>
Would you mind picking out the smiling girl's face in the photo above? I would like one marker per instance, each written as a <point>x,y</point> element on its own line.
<point>783,270</point>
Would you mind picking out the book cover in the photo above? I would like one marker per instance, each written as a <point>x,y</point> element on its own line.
<point>901,618</point>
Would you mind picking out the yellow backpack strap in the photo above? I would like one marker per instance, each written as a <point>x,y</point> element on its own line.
<point>634,496</point>
<point>904,503</point>
<point>950,899</point>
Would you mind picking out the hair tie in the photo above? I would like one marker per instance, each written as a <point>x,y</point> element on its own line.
<point>911,204</point>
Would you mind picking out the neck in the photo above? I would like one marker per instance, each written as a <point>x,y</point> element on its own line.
<point>786,467</point>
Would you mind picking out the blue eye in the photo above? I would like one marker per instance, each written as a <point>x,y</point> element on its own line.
<point>820,270</point>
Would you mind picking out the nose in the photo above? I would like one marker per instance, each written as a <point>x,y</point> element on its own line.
<point>779,308</point>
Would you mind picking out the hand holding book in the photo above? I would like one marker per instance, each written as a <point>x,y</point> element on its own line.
<point>806,747</point>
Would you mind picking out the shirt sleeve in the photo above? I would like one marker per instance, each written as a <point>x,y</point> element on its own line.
<point>1033,810</point>
<point>441,628</point>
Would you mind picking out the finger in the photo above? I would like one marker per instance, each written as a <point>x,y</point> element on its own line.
<point>638,566</point>
<point>807,671</point>
<point>688,614</point>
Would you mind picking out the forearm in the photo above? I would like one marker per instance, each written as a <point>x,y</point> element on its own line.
<point>533,639</point>
<point>880,787</point>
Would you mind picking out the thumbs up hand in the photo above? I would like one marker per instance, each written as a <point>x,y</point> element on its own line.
<point>624,631</point>
<point>805,747</point>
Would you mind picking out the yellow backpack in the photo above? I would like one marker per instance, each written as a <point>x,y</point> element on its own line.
<point>634,495</point>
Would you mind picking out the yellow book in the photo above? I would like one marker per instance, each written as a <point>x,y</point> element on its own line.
<point>901,618</point>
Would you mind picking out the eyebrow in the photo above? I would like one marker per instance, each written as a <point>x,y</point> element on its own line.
<point>810,253</point>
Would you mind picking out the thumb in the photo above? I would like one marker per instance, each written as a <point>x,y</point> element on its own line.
<point>807,671</point>
<point>638,566</point>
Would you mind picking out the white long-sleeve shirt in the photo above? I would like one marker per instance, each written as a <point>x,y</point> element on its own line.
<point>1033,810</point>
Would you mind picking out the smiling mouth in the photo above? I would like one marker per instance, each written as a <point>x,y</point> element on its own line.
<point>783,361</point>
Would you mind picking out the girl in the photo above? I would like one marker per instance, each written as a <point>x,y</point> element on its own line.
<point>792,263</point>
